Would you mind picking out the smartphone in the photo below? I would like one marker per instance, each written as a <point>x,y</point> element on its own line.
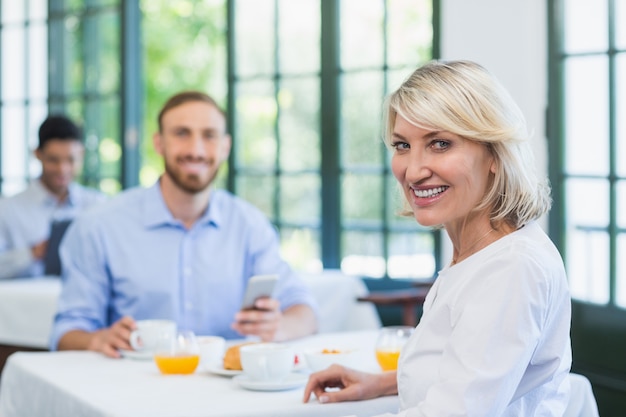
<point>258,286</point>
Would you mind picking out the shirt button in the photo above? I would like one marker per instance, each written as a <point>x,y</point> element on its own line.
<point>188,305</point>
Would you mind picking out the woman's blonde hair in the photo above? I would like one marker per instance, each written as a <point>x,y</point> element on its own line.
<point>463,98</point>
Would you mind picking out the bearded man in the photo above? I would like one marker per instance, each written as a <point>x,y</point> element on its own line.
<point>180,250</point>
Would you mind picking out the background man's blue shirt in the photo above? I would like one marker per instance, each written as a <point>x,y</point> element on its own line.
<point>25,221</point>
<point>131,257</point>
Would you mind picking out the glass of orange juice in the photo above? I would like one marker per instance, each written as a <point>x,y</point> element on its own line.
<point>178,353</point>
<point>390,341</point>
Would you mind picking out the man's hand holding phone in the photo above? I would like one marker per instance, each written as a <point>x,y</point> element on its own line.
<point>260,314</point>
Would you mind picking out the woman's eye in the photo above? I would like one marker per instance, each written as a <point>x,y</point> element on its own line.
<point>398,146</point>
<point>440,144</point>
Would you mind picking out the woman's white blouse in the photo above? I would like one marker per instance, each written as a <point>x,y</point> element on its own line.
<point>494,336</point>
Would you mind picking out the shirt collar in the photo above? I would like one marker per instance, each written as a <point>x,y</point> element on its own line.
<point>44,196</point>
<point>74,196</point>
<point>156,213</point>
<point>214,213</point>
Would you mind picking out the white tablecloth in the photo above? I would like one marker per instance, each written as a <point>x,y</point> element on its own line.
<point>27,308</point>
<point>86,384</point>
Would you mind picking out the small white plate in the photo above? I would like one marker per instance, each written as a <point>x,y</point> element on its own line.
<point>293,380</point>
<point>218,369</point>
<point>133,354</point>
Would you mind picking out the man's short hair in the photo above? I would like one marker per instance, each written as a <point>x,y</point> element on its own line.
<point>186,97</point>
<point>58,128</point>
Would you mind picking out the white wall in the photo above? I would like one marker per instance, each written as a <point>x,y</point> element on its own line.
<point>509,38</point>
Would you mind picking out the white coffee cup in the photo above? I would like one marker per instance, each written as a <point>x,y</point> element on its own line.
<point>211,351</point>
<point>148,333</point>
<point>267,361</point>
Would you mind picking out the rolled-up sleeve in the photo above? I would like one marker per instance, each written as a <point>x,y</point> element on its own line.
<point>84,299</point>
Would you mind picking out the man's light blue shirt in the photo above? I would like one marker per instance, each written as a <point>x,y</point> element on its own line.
<point>25,220</point>
<point>131,257</point>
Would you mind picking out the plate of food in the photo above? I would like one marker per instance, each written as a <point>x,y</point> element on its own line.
<point>218,369</point>
<point>319,359</point>
<point>231,363</point>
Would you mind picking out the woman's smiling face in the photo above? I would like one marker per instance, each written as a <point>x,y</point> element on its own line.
<point>443,176</point>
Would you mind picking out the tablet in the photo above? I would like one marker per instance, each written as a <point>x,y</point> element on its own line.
<point>52,262</point>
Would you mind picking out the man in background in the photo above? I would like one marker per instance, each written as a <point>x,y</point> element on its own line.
<point>26,218</point>
<point>179,250</point>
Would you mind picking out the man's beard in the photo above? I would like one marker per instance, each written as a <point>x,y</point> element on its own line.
<point>190,183</point>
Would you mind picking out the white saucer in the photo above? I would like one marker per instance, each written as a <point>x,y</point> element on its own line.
<point>133,354</point>
<point>293,380</point>
<point>218,369</point>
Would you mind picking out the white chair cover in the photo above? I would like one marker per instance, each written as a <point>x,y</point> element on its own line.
<point>336,294</point>
<point>582,403</point>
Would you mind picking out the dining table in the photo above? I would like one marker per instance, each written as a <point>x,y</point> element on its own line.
<point>27,308</point>
<point>88,384</point>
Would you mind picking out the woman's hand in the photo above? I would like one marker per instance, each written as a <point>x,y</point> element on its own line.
<point>353,385</point>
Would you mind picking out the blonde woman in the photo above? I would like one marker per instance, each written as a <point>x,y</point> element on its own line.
<point>494,336</point>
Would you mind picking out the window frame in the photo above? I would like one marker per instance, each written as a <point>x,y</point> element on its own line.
<point>556,128</point>
<point>331,228</point>
<point>603,363</point>
<point>129,95</point>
